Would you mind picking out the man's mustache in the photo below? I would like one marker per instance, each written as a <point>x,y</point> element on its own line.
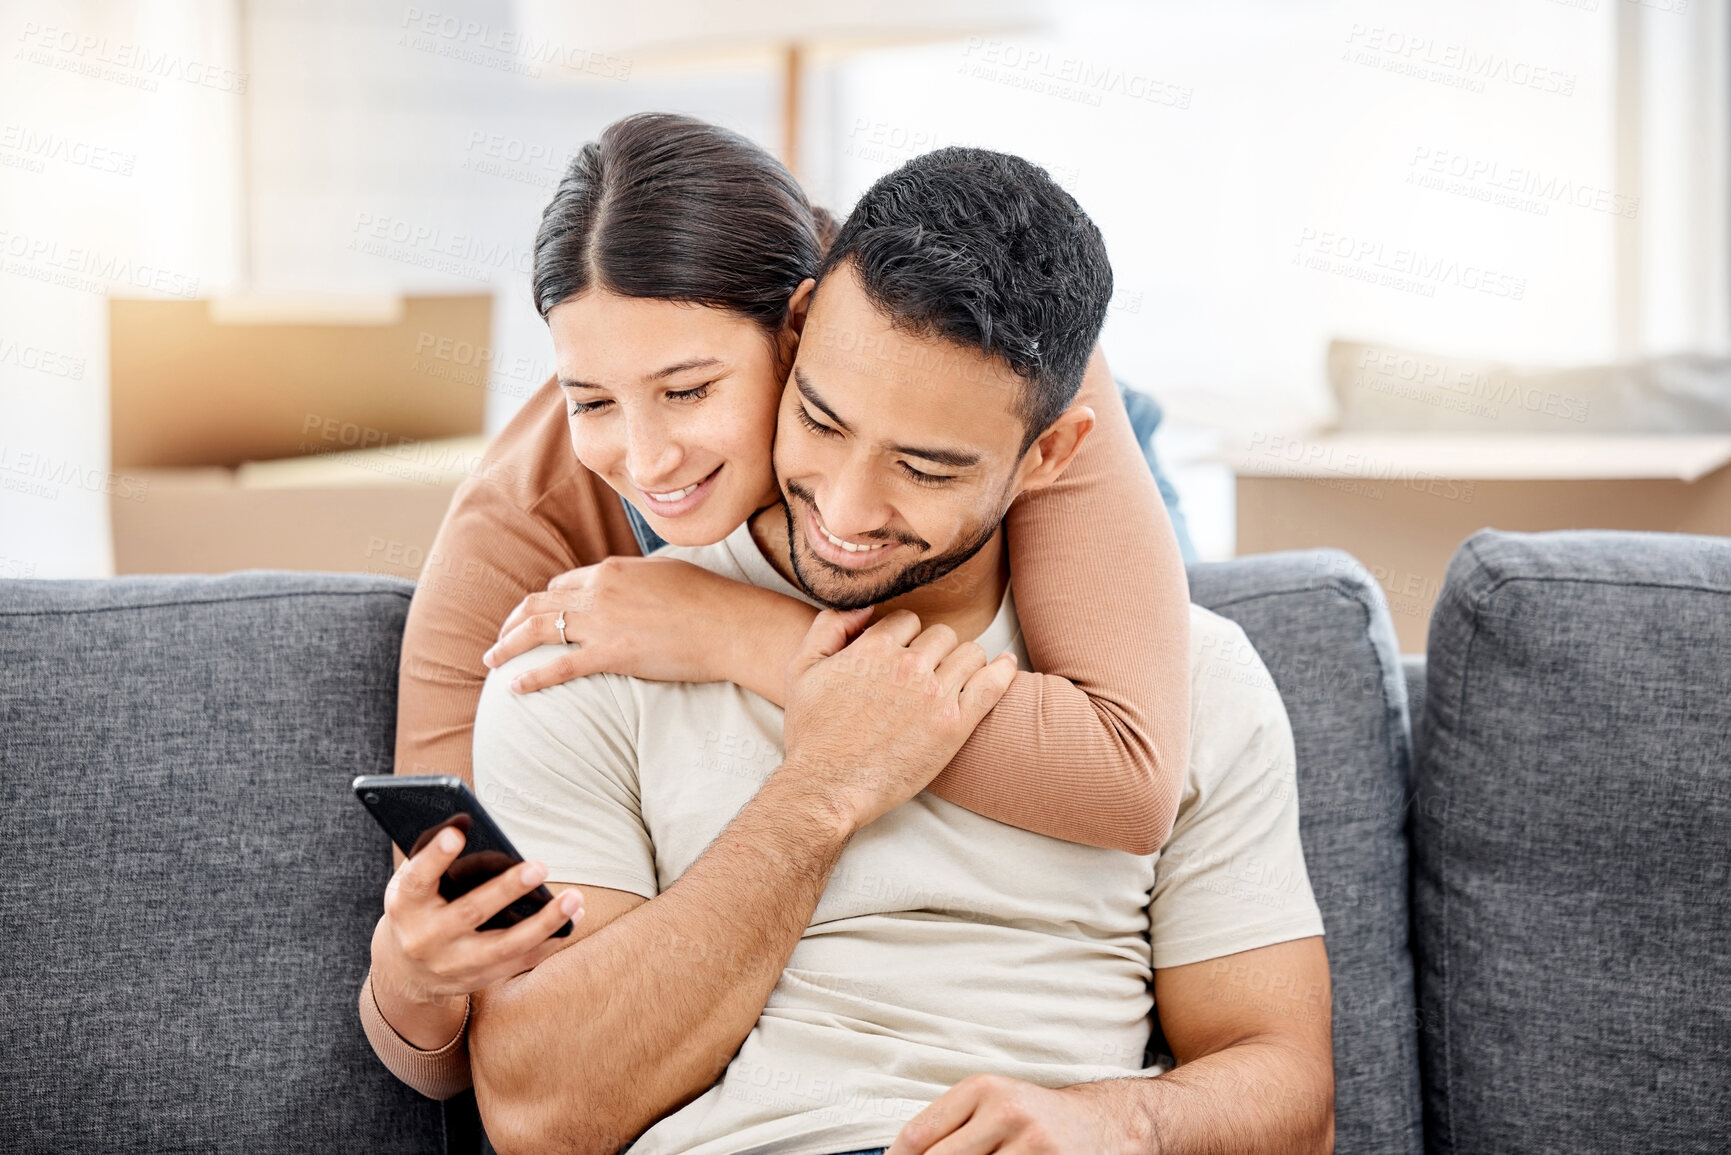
<point>795,489</point>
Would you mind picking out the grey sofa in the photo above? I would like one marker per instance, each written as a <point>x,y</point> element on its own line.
<point>1529,924</point>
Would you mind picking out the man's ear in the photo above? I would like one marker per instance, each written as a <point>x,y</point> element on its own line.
<point>1054,450</point>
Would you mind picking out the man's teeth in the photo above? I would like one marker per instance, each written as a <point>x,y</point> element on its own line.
<point>676,494</point>
<point>848,545</point>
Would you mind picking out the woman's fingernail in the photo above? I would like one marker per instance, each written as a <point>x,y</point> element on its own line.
<point>521,685</point>
<point>448,840</point>
<point>570,901</point>
<point>532,874</point>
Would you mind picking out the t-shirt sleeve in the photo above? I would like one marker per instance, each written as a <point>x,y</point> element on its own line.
<point>557,769</point>
<point>1232,876</point>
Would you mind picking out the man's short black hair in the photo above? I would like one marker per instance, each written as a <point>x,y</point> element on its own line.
<point>984,249</point>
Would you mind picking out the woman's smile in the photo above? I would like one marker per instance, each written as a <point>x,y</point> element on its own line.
<point>673,503</point>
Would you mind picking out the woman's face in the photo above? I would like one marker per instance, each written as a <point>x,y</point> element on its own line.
<point>674,405</point>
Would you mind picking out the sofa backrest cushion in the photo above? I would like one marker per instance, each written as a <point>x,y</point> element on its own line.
<point>1320,624</point>
<point>190,886</point>
<point>1572,846</point>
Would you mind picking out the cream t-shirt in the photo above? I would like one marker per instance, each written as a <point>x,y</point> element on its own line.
<point>946,944</point>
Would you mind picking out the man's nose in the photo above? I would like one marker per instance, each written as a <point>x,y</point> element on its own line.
<point>853,504</point>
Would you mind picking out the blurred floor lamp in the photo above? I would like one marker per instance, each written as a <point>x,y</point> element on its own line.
<point>596,39</point>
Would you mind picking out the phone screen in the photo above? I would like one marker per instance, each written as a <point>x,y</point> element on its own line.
<point>413,809</point>
<point>476,864</point>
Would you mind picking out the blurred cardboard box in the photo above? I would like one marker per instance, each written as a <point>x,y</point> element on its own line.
<point>1402,502</point>
<point>319,435</point>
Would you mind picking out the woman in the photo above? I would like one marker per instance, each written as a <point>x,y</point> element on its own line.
<point>674,267</point>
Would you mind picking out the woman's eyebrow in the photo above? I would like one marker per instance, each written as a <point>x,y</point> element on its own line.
<point>660,374</point>
<point>682,366</point>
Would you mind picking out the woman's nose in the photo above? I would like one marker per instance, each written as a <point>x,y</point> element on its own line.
<point>652,455</point>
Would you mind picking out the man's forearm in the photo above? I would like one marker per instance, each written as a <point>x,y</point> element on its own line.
<point>589,1048</point>
<point>1250,1098</point>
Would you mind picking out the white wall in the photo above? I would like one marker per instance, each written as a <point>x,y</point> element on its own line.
<point>117,126</point>
<point>404,147</point>
<point>365,114</point>
<point>1224,147</point>
<point>1257,166</point>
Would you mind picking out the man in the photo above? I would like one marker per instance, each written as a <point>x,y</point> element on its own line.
<point>791,947</point>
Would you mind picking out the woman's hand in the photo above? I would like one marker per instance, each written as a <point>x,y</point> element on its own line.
<point>428,956</point>
<point>656,618</point>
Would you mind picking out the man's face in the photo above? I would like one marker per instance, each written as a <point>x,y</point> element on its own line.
<point>897,454</point>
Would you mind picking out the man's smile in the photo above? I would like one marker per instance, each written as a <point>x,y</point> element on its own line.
<point>839,551</point>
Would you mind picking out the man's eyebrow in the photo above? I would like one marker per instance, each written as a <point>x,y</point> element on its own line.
<point>810,394</point>
<point>658,375</point>
<point>954,458</point>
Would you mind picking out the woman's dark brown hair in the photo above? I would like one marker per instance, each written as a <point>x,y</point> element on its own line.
<point>670,207</point>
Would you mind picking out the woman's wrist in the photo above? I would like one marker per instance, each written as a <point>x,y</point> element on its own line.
<point>421,1018</point>
<point>763,631</point>
<point>426,1026</point>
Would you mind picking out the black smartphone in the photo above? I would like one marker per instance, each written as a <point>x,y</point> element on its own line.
<point>414,808</point>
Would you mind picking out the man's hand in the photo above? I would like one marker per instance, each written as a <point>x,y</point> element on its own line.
<point>1254,1075</point>
<point>871,722</point>
<point>992,1113</point>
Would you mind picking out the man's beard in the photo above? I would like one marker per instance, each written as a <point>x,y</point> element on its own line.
<point>811,570</point>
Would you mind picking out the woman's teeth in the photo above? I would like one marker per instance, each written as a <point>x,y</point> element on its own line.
<point>848,545</point>
<point>676,494</point>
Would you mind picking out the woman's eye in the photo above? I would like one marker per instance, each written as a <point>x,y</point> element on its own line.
<point>697,394</point>
<point>919,478</point>
<point>815,426</point>
<point>582,407</point>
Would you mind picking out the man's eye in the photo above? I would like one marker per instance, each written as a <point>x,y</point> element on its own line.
<point>920,478</point>
<point>815,426</point>
<point>582,407</point>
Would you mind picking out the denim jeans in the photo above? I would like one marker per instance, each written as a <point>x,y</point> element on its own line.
<point>1144,414</point>
<point>1144,419</point>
